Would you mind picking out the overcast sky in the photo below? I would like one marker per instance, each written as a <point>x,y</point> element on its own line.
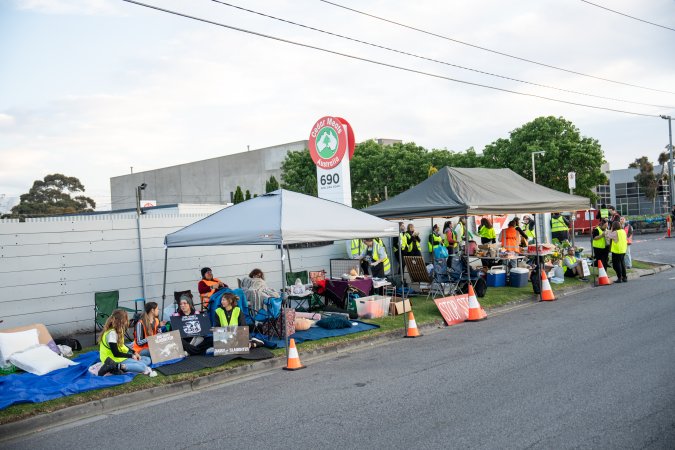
<point>90,88</point>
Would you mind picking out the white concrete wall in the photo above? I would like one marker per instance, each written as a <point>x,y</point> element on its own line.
<point>50,268</point>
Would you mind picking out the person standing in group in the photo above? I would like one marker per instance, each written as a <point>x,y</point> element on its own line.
<point>619,245</point>
<point>435,239</point>
<point>356,247</point>
<point>603,212</point>
<point>376,255</point>
<point>487,232</point>
<point>510,238</point>
<point>600,250</point>
<point>559,228</point>
<point>460,229</point>
<point>628,228</point>
<point>412,238</point>
<point>614,215</point>
<point>399,242</point>
<point>207,286</point>
<point>523,237</point>
<point>450,241</point>
<point>530,230</point>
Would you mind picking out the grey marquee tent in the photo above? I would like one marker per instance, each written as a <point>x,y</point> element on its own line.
<point>462,192</point>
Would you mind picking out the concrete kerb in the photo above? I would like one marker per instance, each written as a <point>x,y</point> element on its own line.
<point>74,413</point>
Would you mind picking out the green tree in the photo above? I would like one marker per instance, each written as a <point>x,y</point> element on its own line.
<point>238,196</point>
<point>566,151</point>
<point>271,185</point>
<point>298,173</point>
<point>248,194</point>
<point>646,179</point>
<point>52,196</point>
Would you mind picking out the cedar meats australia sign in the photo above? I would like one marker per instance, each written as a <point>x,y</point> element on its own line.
<point>330,140</point>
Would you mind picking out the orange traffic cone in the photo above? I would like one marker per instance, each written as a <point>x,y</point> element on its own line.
<point>413,332</point>
<point>293,362</point>
<point>603,279</point>
<point>546,291</point>
<point>476,313</point>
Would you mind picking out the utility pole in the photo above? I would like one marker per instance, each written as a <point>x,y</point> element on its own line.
<point>670,166</point>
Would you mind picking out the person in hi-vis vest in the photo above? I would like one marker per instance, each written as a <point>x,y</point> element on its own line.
<point>375,255</point>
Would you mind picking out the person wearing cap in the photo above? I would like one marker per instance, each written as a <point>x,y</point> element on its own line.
<point>572,266</point>
<point>377,258</point>
<point>207,286</point>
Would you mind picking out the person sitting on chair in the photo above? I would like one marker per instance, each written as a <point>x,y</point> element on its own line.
<point>192,345</point>
<point>148,325</point>
<point>256,282</point>
<point>115,356</point>
<point>228,314</point>
<point>572,266</point>
<point>207,286</point>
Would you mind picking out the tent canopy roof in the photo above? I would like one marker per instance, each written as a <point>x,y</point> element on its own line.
<point>281,217</point>
<point>462,191</point>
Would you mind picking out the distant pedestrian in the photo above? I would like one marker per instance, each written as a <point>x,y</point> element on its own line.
<point>619,245</point>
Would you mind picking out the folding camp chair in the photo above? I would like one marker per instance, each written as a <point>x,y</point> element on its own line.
<point>267,318</point>
<point>417,270</point>
<point>306,301</point>
<point>104,304</point>
<point>215,300</point>
<point>442,283</point>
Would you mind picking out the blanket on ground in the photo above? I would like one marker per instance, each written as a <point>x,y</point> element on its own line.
<point>315,333</point>
<point>29,388</point>
<point>198,362</point>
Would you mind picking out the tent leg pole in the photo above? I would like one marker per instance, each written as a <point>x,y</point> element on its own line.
<point>466,249</point>
<point>283,297</point>
<point>400,266</point>
<point>166,254</point>
<point>539,263</point>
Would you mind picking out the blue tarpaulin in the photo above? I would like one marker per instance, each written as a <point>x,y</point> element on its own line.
<point>315,333</point>
<point>29,388</point>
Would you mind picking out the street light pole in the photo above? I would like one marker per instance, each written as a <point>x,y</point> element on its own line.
<point>670,166</point>
<point>140,236</point>
<point>534,178</point>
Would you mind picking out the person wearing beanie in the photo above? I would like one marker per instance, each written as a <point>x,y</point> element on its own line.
<point>207,286</point>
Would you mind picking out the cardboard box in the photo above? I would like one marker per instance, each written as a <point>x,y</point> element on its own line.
<point>396,308</point>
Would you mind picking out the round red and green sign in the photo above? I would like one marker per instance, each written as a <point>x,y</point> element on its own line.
<point>328,142</point>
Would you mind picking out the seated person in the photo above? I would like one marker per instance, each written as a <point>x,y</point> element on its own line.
<point>376,255</point>
<point>572,266</point>
<point>207,286</point>
<point>256,288</point>
<point>228,314</point>
<point>116,356</point>
<point>147,325</point>
<point>197,345</point>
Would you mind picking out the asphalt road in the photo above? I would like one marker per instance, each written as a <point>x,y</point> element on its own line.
<point>654,247</point>
<point>592,370</point>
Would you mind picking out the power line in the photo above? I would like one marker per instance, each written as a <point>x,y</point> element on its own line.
<point>628,15</point>
<point>436,60</point>
<point>384,64</point>
<point>550,66</point>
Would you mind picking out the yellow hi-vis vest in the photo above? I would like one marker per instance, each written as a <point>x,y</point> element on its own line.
<point>412,243</point>
<point>376,255</point>
<point>531,234</point>
<point>558,225</point>
<point>105,352</point>
<point>487,233</point>
<point>573,261</point>
<point>402,244</point>
<point>357,247</point>
<point>599,243</point>
<point>604,213</point>
<point>620,247</point>
<point>434,241</point>
<point>234,318</point>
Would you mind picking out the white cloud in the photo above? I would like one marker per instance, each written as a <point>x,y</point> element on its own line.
<point>69,7</point>
<point>6,121</point>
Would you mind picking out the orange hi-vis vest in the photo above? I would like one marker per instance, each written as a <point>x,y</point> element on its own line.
<point>155,326</point>
<point>510,239</point>
<point>206,297</point>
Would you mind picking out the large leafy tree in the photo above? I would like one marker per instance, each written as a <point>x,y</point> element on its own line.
<point>646,179</point>
<point>566,151</point>
<point>298,173</point>
<point>52,196</point>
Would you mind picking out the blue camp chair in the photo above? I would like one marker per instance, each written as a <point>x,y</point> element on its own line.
<point>267,319</point>
<point>214,303</point>
<point>442,284</point>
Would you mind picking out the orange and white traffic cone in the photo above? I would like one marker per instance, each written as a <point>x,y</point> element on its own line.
<point>476,313</point>
<point>546,291</point>
<point>413,332</point>
<point>603,279</point>
<point>293,362</point>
